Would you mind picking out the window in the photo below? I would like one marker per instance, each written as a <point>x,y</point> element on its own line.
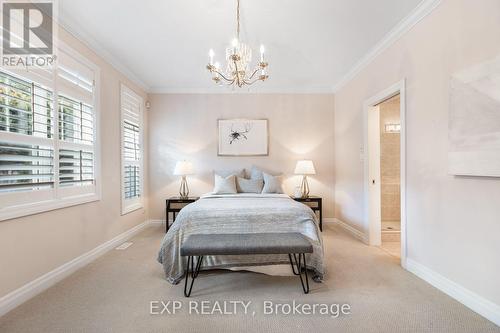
<point>25,167</point>
<point>132,150</point>
<point>26,108</point>
<point>76,167</point>
<point>131,156</point>
<point>48,157</point>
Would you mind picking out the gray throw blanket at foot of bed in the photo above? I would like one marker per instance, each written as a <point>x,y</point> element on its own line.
<point>237,214</point>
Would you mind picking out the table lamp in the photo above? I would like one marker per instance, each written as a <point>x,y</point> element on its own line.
<point>304,168</point>
<point>183,168</point>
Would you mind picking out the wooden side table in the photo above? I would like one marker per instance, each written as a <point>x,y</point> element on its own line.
<point>316,204</point>
<point>174,205</point>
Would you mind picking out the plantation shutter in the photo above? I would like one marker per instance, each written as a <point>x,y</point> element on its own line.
<point>75,82</point>
<point>48,132</point>
<point>26,135</point>
<point>132,151</point>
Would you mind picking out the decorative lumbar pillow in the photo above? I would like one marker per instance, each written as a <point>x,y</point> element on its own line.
<point>227,173</point>
<point>249,185</point>
<point>272,184</point>
<point>225,185</point>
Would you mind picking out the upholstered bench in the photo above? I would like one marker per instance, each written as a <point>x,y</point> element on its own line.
<point>198,245</point>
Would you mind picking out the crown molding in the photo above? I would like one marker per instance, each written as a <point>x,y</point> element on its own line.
<point>421,11</point>
<point>242,91</point>
<point>97,48</point>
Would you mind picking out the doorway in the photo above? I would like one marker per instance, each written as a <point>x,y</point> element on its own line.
<point>390,190</point>
<point>385,171</point>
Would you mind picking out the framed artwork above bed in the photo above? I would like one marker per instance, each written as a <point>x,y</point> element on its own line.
<point>243,137</point>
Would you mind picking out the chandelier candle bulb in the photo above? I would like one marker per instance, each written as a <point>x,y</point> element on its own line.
<point>217,75</point>
<point>235,45</point>
<point>211,55</point>
<point>262,53</point>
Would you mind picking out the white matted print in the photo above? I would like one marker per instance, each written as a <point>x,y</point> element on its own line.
<point>243,137</point>
<point>474,127</point>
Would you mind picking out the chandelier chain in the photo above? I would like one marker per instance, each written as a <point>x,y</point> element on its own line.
<point>238,20</point>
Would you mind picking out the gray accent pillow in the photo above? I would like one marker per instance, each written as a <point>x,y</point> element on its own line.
<point>249,185</point>
<point>225,185</point>
<point>227,173</point>
<point>256,173</point>
<point>272,184</point>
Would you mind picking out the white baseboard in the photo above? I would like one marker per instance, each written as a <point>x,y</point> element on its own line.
<point>476,303</point>
<point>353,231</point>
<point>473,301</point>
<point>33,288</point>
<point>158,222</point>
<point>328,220</point>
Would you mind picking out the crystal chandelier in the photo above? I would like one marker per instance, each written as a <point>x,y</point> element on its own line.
<point>238,57</point>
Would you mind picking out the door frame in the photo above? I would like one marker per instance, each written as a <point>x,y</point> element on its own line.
<point>374,224</point>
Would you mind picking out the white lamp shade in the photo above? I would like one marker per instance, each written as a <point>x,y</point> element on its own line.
<point>305,167</point>
<point>183,168</point>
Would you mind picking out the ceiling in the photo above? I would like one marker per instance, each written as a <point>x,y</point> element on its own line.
<point>310,44</point>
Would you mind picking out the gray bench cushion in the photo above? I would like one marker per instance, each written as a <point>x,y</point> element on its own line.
<point>234,244</point>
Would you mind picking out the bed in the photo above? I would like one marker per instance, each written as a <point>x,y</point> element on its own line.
<point>241,213</point>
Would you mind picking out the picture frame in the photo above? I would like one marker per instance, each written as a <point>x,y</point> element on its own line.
<point>474,121</point>
<point>243,137</point>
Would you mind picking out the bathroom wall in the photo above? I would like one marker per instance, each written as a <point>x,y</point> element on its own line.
<point>390,161</point>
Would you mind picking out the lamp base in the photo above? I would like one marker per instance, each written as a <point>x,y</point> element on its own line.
<point>304,188</point>
<point>184,189</point>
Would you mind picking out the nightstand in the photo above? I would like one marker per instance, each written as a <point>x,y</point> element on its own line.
<point>174,205</point>
<point>316,204</point>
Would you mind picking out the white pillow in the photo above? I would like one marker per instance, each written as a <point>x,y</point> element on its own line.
<point>249,185</point>
<point>272,184</point>
<point>225,185</point>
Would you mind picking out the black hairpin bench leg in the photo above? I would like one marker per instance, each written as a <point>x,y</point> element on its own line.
<point>190,268</point>
<point>300,269</point>
<point>293,263</point>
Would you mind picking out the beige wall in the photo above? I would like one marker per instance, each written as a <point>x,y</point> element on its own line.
<point>184,126</point>
<point>453,222</point>
<point>34,245</point>
<point>390,161</point>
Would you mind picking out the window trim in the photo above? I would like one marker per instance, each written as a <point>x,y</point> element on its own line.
<point>130,205</point>
<point>56,201</point>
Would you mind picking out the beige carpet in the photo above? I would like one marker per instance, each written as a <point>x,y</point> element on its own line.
<point>113,294</point>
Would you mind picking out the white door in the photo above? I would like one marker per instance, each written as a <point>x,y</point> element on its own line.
<point>374,209</point>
